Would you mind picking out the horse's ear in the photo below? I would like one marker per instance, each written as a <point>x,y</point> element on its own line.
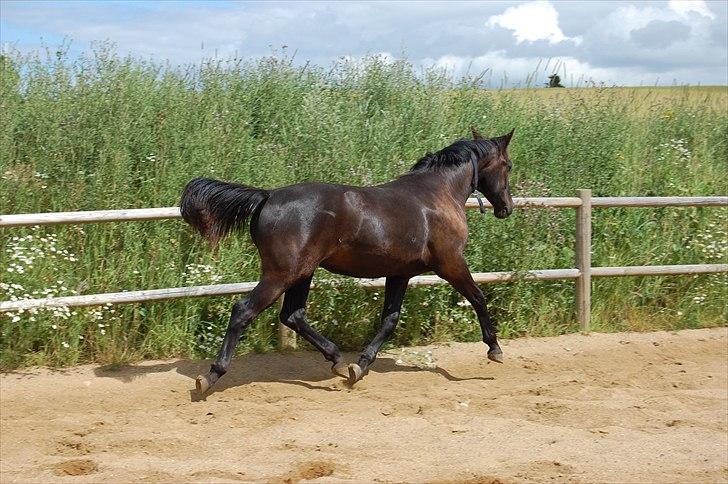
<point>504,140</point>
<point>476,135</point>
<point>509,136</point>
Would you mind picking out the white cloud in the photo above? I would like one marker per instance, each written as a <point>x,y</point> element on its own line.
<point>503,70</point>
<point>621,22</point>
<point>684,7</point>
<point>624,20</point>
<point>537,20</point>
<point>661,41</point>
<point>625,42</point>
<point>508,71</point>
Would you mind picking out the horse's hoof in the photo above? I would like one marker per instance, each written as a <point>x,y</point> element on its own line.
<point>340,369</point>
<point>202,384</point>
<point>355,373</point>
<point>496,356</point>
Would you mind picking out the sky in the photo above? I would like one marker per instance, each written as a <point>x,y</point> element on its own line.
<point>612,42</point>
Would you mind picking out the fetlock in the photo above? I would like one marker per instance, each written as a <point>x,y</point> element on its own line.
<point>215,369</point>
<point>364,362</point>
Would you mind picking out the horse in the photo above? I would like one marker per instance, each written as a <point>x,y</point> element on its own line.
<point>413,224</point>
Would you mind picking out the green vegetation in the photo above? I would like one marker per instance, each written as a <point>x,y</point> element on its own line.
<point>105,132</point>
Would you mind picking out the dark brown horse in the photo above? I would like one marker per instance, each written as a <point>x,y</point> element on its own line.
<point>397,230</point>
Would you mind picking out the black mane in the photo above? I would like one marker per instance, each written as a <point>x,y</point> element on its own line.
<point>458,153</point>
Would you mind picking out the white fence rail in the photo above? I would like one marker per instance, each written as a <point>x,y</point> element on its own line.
<point>582,274</point>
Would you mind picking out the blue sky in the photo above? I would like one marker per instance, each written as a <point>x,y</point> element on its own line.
<point>623,42</point>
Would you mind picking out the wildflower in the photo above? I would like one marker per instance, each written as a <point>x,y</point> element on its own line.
<point>199,274</point>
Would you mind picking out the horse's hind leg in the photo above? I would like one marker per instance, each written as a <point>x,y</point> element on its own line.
<point>393,296</point>
<point>293,315</point>
<point>262,296</point>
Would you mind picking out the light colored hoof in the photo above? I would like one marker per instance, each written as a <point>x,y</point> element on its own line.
<point>355,373</point>
<point>202,384</point>
<point>340,370</point>
<point>496,356</point>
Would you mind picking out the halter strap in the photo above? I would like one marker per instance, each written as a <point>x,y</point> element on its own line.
<point>474,185</point>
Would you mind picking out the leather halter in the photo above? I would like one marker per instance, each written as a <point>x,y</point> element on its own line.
<point>474,185</point>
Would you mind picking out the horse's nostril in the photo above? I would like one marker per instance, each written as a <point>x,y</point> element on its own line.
<point>503,212</point>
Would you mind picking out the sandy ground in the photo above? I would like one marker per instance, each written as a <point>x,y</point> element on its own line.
<point>650,407</point>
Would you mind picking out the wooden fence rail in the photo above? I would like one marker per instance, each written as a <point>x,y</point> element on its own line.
<point>242,287</point>
<point>582,274</point>
<point>140,214</point>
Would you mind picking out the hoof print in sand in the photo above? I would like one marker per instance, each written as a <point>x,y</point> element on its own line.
<point>75,467</point>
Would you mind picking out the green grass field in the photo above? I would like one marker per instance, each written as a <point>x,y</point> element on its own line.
<point>106,132</point>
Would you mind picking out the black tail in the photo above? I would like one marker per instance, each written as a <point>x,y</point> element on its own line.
<point>216,208</point>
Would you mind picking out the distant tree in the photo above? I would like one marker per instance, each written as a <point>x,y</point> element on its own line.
<point>555,81</point>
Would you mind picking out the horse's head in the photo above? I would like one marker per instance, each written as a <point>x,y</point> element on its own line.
<point>493,173</point>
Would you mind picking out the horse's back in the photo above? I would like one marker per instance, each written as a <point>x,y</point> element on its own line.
<point>360,231</point>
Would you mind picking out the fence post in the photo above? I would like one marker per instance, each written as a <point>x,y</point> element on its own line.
<point>286,336</point>
<point>583,259</point>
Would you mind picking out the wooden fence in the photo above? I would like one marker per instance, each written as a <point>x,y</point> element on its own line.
<point>582,273</point>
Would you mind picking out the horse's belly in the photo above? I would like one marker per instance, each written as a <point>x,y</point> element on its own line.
<point>363,264</point>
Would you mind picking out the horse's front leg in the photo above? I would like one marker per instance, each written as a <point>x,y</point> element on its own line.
<point>456,272</point>
<point>394,290</point>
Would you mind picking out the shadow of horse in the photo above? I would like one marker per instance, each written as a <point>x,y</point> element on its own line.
<point>302,368</point>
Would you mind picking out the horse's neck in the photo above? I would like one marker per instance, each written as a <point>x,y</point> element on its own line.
<point>457,182</point>
<point>452,182</point>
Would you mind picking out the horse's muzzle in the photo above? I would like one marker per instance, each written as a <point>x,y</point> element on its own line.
<point>503,212</point>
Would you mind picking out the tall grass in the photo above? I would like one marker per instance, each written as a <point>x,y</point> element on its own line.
<point>107,132</point>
